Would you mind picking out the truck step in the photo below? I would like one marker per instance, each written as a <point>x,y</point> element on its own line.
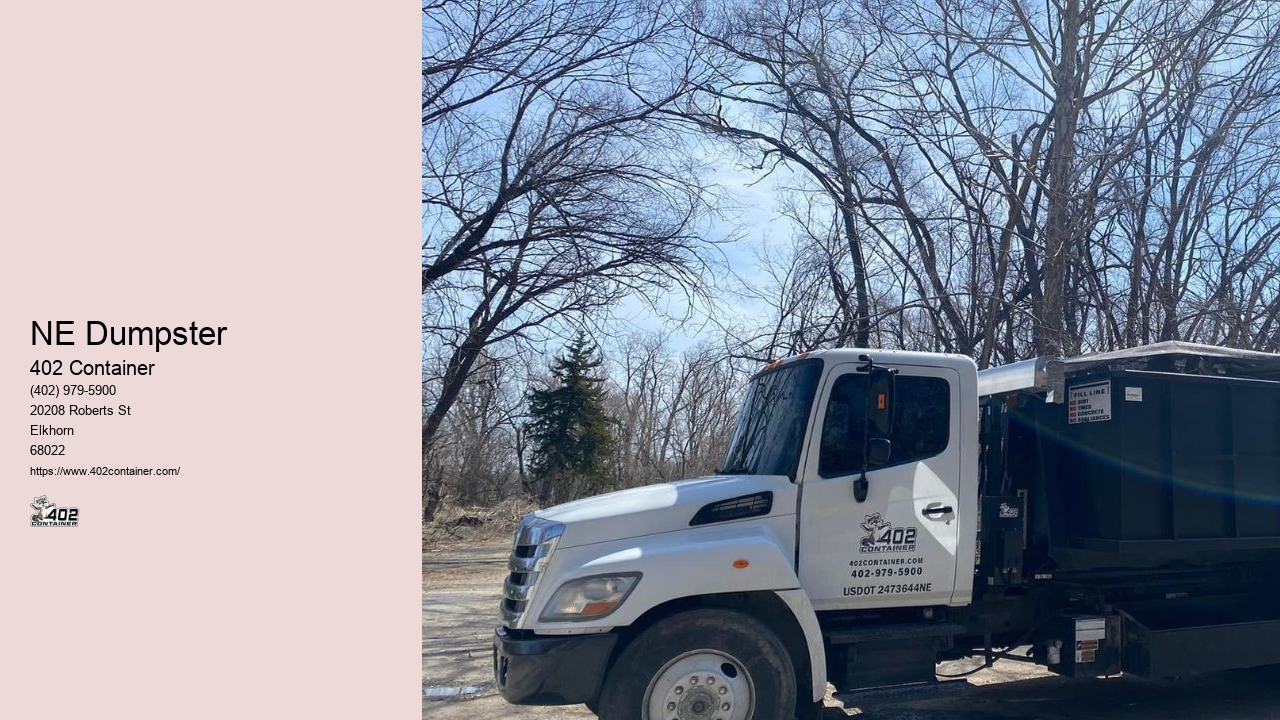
<point>868,656</point>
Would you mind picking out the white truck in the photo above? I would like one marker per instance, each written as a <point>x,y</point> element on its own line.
<point>878,512</point>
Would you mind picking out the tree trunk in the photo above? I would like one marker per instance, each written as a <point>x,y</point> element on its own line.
<point>862,304</point>
<point>1058,231</point>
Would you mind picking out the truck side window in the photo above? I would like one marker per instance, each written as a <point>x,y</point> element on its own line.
<point>843,427</point>
<point>920,430</point>
<point>922,420</point>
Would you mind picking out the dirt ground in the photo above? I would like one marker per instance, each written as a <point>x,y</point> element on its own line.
<point>462,582</point>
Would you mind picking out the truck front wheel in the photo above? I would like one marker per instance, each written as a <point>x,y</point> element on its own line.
<point>701,665</point>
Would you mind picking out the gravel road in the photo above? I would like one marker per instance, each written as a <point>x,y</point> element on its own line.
<point>462,581</point>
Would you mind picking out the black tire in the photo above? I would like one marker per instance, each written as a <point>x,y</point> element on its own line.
<point>740,637</point>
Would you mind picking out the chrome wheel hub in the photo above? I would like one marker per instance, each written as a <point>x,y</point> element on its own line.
<point>701,685</point>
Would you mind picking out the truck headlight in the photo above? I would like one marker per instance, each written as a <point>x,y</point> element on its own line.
<point>590,597</point>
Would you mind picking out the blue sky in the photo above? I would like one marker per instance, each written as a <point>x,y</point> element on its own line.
<point>750,215</point>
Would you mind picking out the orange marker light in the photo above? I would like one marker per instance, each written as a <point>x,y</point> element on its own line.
<point>880,401</point>
<point>592,609</point>
<point>739,564</point>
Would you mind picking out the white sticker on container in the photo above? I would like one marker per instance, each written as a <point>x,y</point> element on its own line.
<point>1133,394</point>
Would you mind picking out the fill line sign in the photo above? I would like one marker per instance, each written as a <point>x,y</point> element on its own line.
<point>1090,402</point>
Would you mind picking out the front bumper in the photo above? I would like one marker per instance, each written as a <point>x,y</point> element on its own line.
<point>550,669</point>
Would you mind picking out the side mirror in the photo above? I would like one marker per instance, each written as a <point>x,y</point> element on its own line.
<point>879,426</point>
<point>878,451</point>
<point>880,389</point>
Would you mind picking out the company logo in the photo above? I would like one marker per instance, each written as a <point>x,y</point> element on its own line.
<point>883,537</point>
<point>1008,512</point>
<point>50,515</point>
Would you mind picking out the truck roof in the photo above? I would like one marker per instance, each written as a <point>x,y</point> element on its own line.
<point>894,357</point>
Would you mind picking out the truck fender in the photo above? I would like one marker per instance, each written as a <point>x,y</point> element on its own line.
<point>798,601</point>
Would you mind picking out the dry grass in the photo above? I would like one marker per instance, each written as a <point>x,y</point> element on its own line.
<point>473,523</point>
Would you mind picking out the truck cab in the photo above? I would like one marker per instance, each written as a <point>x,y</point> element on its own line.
<point>840,541</point>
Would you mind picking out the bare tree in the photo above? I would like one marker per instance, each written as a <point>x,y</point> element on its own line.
<point>783,84</point>
<point>552,183</point>
<point>1075,69</point>
<point>477,457</point>
<point>968,151</point>
<point>1195,219</point>
<point>673,411</point>
<point>817,85</point>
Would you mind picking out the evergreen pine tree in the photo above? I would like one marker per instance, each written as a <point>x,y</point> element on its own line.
<point>568,428</point>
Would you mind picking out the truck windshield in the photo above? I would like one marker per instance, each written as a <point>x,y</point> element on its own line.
<point>771,425</point>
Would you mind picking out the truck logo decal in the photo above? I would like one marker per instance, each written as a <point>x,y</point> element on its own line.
<point>1008,512</point>
<point>50,515</point>
<point>883,537</point>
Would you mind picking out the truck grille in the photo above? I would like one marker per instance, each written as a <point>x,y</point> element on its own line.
<point>535,539</point>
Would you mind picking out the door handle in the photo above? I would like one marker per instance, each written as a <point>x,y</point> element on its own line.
<point>939,510</point>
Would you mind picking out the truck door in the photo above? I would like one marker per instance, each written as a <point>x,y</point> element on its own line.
<point>899,546</point>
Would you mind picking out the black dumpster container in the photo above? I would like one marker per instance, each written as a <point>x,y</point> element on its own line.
<point>1146,468</point>
<point>1151,481</point>
<point>1176,458</point>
